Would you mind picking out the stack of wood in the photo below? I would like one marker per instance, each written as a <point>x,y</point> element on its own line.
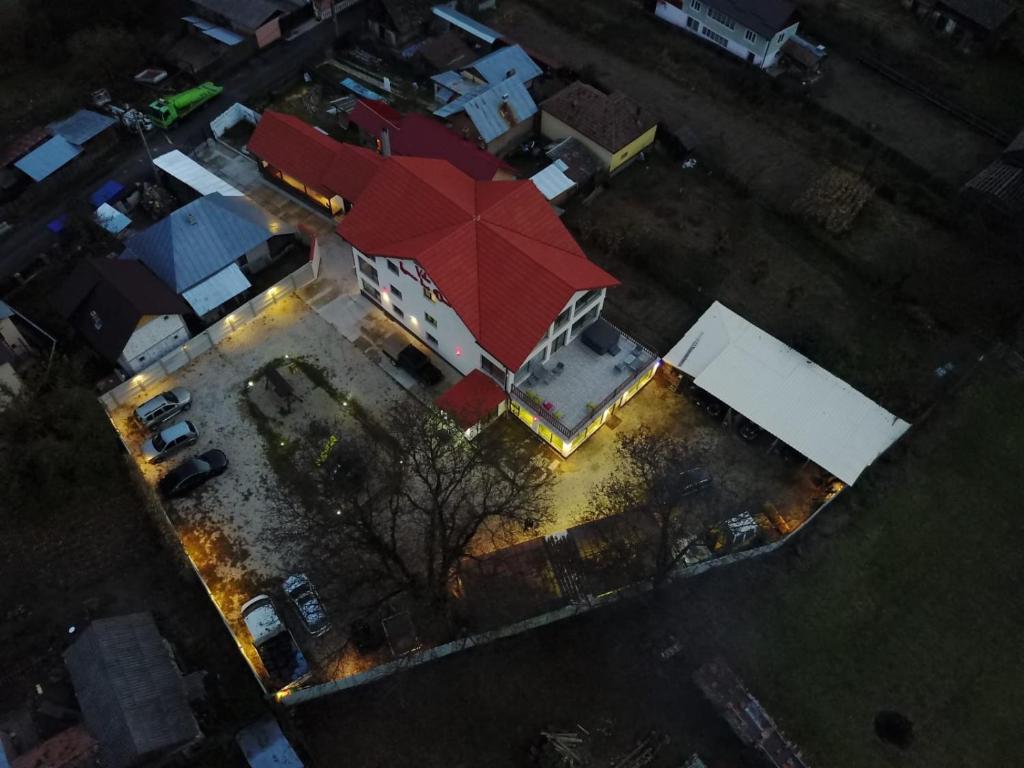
<point>643,753</point>
<point>565,749</point>
<point>835,200</point>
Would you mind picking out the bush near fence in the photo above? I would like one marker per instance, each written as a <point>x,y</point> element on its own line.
<point>153,377</point>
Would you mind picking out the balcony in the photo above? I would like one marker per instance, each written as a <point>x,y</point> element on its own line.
<point>578,382</point>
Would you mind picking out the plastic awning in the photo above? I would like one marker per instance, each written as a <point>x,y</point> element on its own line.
<point>215,290</point>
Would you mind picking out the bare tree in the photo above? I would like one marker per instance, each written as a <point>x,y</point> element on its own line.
<point>403,505</point>
<point>654,492</point>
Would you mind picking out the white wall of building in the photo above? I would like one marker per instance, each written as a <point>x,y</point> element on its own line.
<point>154,337</point>
<point>402,285</point>
<point>692,15</point>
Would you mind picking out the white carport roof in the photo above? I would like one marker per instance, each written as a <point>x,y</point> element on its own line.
<point>182,167</point>
<point>784,393</point>
<point>552,181</point>
<point>216,289</point>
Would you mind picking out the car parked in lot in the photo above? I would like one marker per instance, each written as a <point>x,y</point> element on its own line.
<point>169,440</point>
<point>155,411</point>
<point>414,361</point>
<point>300,592</point>
<point>193,472</point>
<point>277,649</point>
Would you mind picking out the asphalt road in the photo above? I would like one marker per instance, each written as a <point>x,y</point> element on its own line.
<point>266,71</point>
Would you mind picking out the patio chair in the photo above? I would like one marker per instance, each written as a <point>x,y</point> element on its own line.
<point>614,349</point>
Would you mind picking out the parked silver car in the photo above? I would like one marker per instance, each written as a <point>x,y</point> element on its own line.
<point>300,592</point>
<point>155,411</point>
<point>169,440</point>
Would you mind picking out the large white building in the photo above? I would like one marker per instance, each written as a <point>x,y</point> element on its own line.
<point>753,30</point>
<point>484,273</point>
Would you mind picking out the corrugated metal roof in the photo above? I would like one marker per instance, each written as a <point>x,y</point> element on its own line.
<point>494,109</point>
<point>197,22</point>
<point>81,126</point>
<point>222,35</point>
<point>47,158</point>
<point>466,24</point>
<point>552,180</point>
<point>182,167</point>
<point>784,393</point>
<point>201,238</point>
<point>360,90</point>
<point>453,81</point>
<point>111,219</point>
<point>214,291</point>
<point>507,62</point>
<point>265,746</point>
<point>129,689</point>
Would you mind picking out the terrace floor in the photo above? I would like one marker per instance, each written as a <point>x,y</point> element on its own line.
<point>587,379</point>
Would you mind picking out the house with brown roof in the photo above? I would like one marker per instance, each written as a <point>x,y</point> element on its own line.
<point>123,311</point>
<point>612,126</point>
<point>999,187</point>
<point>968,23</point>
<point>397,23</point>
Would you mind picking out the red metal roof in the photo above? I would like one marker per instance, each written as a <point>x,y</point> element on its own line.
<point>495,249</point>
<point>314,158</point>
<point>23,145</point>
<point>374,116</point>
<point>472,399</point>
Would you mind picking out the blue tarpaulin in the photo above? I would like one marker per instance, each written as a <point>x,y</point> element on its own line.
<point>57,225</point>
<point>106,193</point>
<point>361,90</point>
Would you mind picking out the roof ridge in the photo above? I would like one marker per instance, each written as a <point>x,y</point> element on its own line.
<point>429,182</point>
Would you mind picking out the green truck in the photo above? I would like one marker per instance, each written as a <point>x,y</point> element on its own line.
<point>166,112</point>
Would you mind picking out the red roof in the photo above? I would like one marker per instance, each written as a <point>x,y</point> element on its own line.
<point>472,399</point>
<point>495,249</point>
<point>374,116</point>
<point>314,158</point>
<point>23,145</point>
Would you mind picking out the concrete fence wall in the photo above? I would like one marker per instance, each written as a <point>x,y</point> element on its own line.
<point>152,378</point>
<point>231,117</point>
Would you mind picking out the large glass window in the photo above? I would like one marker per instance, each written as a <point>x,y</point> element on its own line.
<point>586,298</point>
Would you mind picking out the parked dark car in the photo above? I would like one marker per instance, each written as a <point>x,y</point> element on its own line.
<point>300,592</point>
<point>413,361</point>
<point>193,472</point>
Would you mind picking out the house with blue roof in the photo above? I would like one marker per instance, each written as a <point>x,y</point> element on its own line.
<point>499,65</point>
<point>499,116</point>
<point>204,250</point>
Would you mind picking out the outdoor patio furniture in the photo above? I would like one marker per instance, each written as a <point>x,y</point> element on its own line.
<point>630,361</point>
<point>600,336</point>
<point>548,405</point>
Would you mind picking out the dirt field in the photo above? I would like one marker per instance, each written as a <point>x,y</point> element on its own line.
<point>900,598</point>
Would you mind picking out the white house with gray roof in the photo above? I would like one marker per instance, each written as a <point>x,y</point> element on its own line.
<point>753,30</point>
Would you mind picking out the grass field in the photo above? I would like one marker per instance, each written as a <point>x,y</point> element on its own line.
<point>913,607</point>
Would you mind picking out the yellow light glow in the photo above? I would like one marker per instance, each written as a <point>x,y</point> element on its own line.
<point>414,320</point>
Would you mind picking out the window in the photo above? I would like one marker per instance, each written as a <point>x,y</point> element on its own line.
<point>560,320</point>
<point>97,323</point>
<point>369,270</point>
<point>429,294</point>
<point>715,37</point>
<point>695,4</point>
<point>586,298</point>
<point>750,35</point>
<point>558,343</point>
<point>721,18</point>
<point>430,319</point>
<point>781,37</point>
<point>692,23</point>
<point>392,267</point>
<point>394,291</point>
<point>369,291</point>
<point>431,339</point>
<point>579,324</point>
<point>397,310</point>
<point>492,369</point>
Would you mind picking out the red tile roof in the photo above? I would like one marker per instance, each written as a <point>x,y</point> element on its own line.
<point>314,158</point>
<point>495,249</point>
<point>472,399</point>
<point>422,136</point>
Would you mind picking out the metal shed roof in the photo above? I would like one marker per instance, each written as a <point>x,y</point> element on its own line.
<point>466,24</point>
<point>111,219</point>
<point>182,167</point>
<point>81,126</point>
<point>215,290</point>
<point>506,62</point>
<point>552,180</point>
<point>485,108</point>
<point>265,746</point>
<point>783,392</point>
<point>48,157</point>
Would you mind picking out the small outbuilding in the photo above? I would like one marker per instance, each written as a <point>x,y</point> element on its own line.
<point>999,186</point>
<point>473,402</point>
<point>130,690</point>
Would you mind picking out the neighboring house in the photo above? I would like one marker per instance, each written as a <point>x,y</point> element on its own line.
<point>85,127</point>
<point>455,19</point>
<point>613,127</point>
<point>966,22</point>
<point>999,187</point>
<point>484,273</point>
<point>397,23</point>
<point>123,311</point>
<point>68,139</point>
<point>554,183</point>
<point>130,690</point>
<point>500,65</point>
<point>581,165</point>
<point>13,183</point>
<point>415,135</point>
<point>499,116</point>
<point>203,250</point>
<point>753,30</point>
<point>302,159</point>
<point>262,21</point>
